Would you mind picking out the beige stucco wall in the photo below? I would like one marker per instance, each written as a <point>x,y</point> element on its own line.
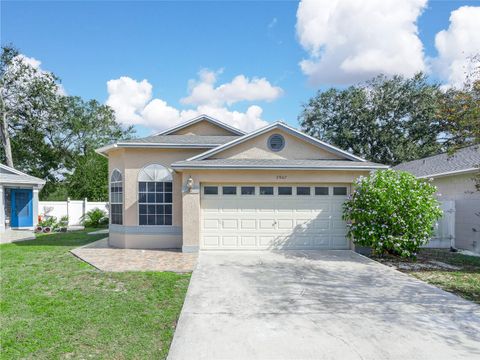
<point>257,148</point>
<point>131,161</point>
<point>456,187</point>
<point>203,128</point>
<point>191,201</point>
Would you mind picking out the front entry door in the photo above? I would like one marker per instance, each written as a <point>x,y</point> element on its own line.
<point>21,208</point>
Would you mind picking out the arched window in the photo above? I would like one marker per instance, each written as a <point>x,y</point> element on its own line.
<point>116,198</point>
<point>155,196</point>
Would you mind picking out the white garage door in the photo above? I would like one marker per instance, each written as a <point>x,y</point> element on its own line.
<point>254,217</point>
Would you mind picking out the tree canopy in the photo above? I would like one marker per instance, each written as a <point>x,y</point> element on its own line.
<point>385,120</point>
<point>51,134</point>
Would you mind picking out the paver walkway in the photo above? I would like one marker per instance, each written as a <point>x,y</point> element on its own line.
<point>106,258</point>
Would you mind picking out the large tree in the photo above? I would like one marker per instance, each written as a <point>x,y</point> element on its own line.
<point>27,95</point>
<point>46,133</point>
<point>387,119</point>
<point>460,109</point>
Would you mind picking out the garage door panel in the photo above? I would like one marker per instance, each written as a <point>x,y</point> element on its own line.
<point>248,241</point>
<point>210,224</point>
<point>229,224</point>
<point>230,241</point>
<point>267,224</point>
<point>248,224</point>
<point>285,224</point>
<point>252,222</point>
<point>211,240</point>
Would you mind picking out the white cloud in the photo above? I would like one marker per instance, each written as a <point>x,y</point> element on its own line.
<point>241,88</point>
<point>353,40</point>
<point>133,103</point>
<point>128,98</point>
<point>457,44</point>
<point>29,61</point>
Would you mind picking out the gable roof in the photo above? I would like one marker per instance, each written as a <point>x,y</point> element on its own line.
<point>283,164</point>
<point>202,117</point>
<point>286,128</point>
<point>464,160</point>
<point>13,176</point>
<point>171,141</point>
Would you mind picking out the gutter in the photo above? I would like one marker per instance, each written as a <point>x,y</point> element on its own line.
<point>106,148</point>
<point>273,167</point>
<point>448,173</point>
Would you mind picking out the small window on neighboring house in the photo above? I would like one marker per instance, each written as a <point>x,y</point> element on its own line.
<point>210,190</point>
<point>276,142</point>
<point>266,190</point>
<point>229,190</point>
<point>339,190</point>
<point>116,198</point>
<point>284,190</point>
<point>303,190</point>
<point>248,190</point>
<point>321,190</point>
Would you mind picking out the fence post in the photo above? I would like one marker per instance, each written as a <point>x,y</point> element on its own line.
<point>85,203</point>
<point>68,211</point>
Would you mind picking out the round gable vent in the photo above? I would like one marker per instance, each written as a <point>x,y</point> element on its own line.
<point>276,142</point>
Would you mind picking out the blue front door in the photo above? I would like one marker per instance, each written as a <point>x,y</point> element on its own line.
<point>21,208</point>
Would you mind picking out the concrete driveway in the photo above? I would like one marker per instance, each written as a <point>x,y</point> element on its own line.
<point>318,305</point>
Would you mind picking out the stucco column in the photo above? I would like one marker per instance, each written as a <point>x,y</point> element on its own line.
<point>191,216</point>
<point>35,206</point>
<point>2,209</point>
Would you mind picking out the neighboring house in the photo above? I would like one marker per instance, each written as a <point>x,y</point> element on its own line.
<point>206,185</point>
<point>18,199</point>
<point>454,175</point>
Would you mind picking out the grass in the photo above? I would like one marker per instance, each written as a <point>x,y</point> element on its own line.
<point>464,281</point>
<point>53,305</point>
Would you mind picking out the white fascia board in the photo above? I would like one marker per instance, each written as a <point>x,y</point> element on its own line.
<point>276,167</point>
<point>285,127</point>
<point>448,173</point>
<point>106,148</point>
<point>197,119</point>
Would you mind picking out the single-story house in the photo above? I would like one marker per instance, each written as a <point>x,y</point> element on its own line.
<point>455,175</point>
<point>206,185</point>
<point>18,199</point>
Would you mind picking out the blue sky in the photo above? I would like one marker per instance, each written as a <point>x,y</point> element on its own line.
<point>167,43</point>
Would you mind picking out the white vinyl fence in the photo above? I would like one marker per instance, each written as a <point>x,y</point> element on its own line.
<point>445,227</point>
<point>74,209</point>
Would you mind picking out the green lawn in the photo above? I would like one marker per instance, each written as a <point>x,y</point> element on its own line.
<point>464,281</point>
<point>55,306</point>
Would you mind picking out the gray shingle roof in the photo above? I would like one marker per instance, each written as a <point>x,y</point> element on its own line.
<point>463,159</point>
<point>13,176</point>
<point>181,140</point>
<point>276,164</point>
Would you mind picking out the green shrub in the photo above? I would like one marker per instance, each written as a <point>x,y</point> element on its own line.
<point>48,222</point>
<point>95,218</point>
<point>392,212</point>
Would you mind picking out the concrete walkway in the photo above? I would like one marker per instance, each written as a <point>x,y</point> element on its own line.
<point>105,258</point>
<point>318,305</point>
<point>10,235</point>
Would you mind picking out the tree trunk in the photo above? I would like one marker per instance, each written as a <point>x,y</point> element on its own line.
<point>4,135</point>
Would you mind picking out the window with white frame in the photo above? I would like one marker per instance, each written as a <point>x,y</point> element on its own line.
<point>155,195</point>
<point>116,198</point>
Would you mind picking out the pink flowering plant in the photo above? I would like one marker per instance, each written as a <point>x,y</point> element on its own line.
<point>392,212</point>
